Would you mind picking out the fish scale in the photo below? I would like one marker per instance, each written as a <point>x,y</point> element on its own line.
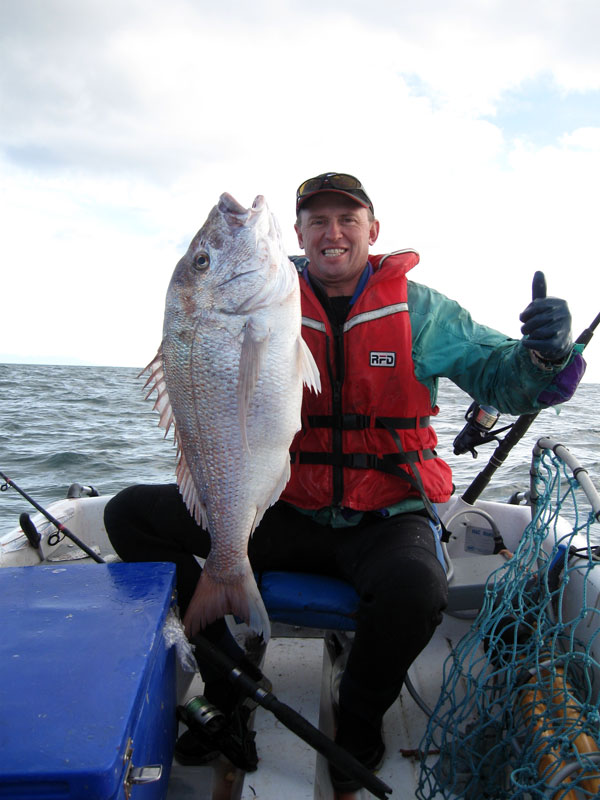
<point>229,376</point>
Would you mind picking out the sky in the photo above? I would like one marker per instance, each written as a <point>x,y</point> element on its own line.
<point>473,124</point>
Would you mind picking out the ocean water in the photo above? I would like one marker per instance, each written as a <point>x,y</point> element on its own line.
<point>92,425</point>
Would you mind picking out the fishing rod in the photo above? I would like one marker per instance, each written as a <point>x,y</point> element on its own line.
<point>292,719</point>
<point>29,528</point>
<point>522,424</point>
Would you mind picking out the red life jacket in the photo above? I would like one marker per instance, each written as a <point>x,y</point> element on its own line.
<point>371,418</point>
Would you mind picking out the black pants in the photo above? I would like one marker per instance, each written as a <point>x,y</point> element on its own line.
<point>391,562</point>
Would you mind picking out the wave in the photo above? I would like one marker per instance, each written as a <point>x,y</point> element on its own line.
<point>61,424</point>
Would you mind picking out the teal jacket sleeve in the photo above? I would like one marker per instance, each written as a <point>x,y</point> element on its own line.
<point>491,367</point>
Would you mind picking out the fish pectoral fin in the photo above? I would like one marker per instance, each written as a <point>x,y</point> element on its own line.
<point>307,367</point>
<point>254,347</point>
<point>281,484</point>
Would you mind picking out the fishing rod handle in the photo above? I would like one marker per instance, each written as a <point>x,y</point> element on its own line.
<point>292,719</point>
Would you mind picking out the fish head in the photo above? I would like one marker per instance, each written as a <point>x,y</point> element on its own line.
<point>236,261</point>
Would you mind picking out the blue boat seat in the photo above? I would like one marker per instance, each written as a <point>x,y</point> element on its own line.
<point>308,601</point>
<point>319,601</point>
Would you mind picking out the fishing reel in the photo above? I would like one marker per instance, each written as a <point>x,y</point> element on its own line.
<point>198,713</point>
<point>211,733</point>
<point>480,421</point>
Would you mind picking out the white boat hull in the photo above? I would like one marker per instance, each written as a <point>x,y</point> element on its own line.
<point>299,663</point>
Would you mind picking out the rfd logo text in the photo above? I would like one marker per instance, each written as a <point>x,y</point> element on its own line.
<point>378,358</point>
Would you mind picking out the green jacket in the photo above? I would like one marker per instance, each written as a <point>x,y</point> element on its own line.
<point>491,367</point>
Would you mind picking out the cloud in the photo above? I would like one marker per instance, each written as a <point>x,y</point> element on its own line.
<point>160,91</point>
<point>123,121</point>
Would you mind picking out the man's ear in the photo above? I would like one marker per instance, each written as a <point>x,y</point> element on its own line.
<point>374,231</point>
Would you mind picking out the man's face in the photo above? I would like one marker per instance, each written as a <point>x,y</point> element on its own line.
<point>335,234</point>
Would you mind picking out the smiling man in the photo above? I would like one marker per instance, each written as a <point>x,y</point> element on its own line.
<point>365,475</point>
<point>364,465</point>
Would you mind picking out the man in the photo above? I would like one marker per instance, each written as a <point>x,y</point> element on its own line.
<point>365,474</point>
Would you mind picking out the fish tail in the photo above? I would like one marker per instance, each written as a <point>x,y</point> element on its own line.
<point>258,619</point>
<point>240,598</point>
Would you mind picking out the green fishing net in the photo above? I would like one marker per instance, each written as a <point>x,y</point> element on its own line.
<point>519,710</point>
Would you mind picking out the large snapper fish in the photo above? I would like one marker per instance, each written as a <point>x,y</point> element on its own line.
<point>229,374</point>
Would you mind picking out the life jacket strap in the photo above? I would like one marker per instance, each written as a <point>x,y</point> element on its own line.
<point>385,463</point>
<point>359,422</point>
<point>415,478</point>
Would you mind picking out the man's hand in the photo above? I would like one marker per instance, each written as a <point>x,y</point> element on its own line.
<point>547,324</point>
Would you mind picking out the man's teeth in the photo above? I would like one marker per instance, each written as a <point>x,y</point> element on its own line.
<point>334,251</point>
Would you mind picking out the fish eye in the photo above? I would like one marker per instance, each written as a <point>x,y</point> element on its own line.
<point>201,261</point>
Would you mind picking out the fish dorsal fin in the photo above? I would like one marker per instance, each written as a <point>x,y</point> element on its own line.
<point>254,347</point>
<point>187,488</point>
<point>157,382</point>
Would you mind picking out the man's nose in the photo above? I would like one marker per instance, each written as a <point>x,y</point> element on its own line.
<point>334,229</point>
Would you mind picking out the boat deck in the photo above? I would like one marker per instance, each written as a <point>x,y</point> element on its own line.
<point>289,769</point>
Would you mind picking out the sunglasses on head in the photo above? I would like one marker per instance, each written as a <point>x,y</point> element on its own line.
<point>333,180</point>
<point>337,180</point>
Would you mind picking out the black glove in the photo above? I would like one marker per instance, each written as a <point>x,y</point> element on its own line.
<point>547,327</point>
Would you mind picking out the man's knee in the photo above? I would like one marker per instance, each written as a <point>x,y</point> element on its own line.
<point>126,502</point>
<point>415,591</point>
<point>118,515</point>
<point>135,512</point>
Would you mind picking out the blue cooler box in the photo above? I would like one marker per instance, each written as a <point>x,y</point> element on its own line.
<point>87,688</point>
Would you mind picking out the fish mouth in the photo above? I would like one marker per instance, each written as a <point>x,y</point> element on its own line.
<point>235,212</point>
